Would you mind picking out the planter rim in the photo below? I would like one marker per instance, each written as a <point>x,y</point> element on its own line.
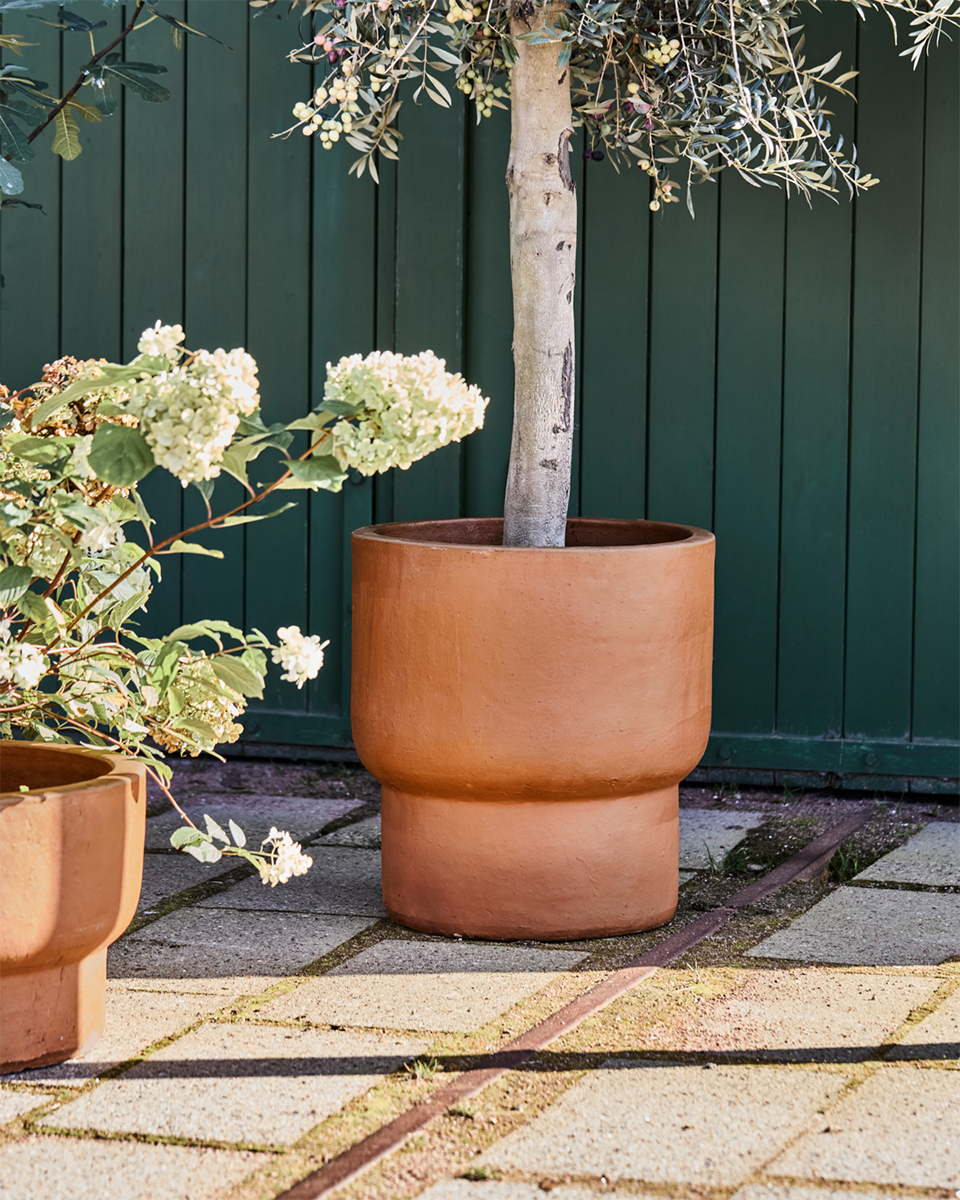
<point>398,532</point>
<point>119,766</point>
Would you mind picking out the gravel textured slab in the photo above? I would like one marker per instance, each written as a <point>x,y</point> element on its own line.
<point>424,985</point>
<point>364,834</point>
<point>56,1168</point>
<point>200,943</point>
<point>668,1124</point>
<point>135,1020</point>
<point>14,1104</point>
<point>800,1015</point>
<point>705,833</point>
<point>873,927</point>
<point>469,1189</point>
<point>300,816</point>
<point>239,1083</point>
<point>936,1036</point>
<point>900,1127</point>
<point>787,1191</point>
<point>340,881</point>
<point>932,857</point>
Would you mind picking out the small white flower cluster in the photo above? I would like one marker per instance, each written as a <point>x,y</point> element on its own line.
<point>411,406</point>
<point>190,413</point>
<point>162,341</point>
<point>300,656</point>
<point>287,859</point>
<point>20,664</point>
<point>102,536</point>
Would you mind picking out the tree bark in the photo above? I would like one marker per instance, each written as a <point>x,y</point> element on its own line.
<point>543,247</point>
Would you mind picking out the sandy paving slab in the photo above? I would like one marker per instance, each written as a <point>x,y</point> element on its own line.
<point>15,1104</point>
<point>706,834</point>
<point>936,1036</point>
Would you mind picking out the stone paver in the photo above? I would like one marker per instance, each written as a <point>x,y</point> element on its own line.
<point>239,1083</point>
<point>668,1124</point>
<point>365,834</point>
<point>14,1104</point>
<point>56,1167</point>
<point>800,1015</point>
<point>900,1127</point>
<point>135,1020</point>
<point>469,1189</point>
<point>873,927</point>
<point>164,875</point>
<point>202,943</point>
<point>340,881</point>
<point>936,1036</point>
<point>300,816</point>
<point>424,985</point>
<point>787,1191</point>
<point>707,833</point>
<point>932,857</point>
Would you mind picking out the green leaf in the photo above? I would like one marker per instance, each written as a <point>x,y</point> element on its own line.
<point>11,181</point>
<point>182,547</point>
<point>239,837</point>
<point>120,455</point>
<point>206,853</point>
<point>187,632</point>
<point>111,375</point>
<point>236,675</point>
<point>142,515</point>
<point>164,669</point>
<point>323,469</point>
<point>129,74</point>
<point>214,829</point>
<point>340,408</point>
<point>33,606</point>
<point>176,701</point>
<point>12,138</point>
<point>14,581</point>
<point>228,521</point>
<point>66,141</point>
<point>187,835</point>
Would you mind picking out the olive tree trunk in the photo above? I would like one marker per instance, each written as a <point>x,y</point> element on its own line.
<point>543,247</point>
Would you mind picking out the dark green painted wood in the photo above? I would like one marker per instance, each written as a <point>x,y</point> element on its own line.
<point>841,756</point>
<point>936,680</point>
<point>683,317</point>
<point>747,462</point>
<point>613,349</point>
<point>883,428</point>
<point>816,374</point>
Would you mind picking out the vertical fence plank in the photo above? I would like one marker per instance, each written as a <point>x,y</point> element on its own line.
<point>613,348</point>
<point>936,704</point>
<point>429,315</point>
<point>816,374</point>
<point>749,390</point>
<point>683,316</point>
<point>30,240</point>
<point>883,431</point>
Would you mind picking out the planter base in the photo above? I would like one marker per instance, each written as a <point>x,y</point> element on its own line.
<point>54,1014</point>
<point>452,866</point>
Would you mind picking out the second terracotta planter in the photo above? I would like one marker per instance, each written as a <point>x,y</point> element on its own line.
<point>530,713</point>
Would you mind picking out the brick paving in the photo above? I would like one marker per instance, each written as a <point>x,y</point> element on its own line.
<point>808,1049</point>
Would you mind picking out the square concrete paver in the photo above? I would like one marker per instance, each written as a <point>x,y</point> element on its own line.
<point>203,943</point>
<point>364,834</point>
<point>164,875</point>
<point>900,1127</point>
<point>300,816</point>
<point>932,857</point>
<point>57,1167</point>
<point>239,1083</point>
<point>469,1189</point>
<point>705,833</point>
<point>668,1124</point>
<point>936,1036</point>
<point>873,927</point>
<point>800,1015</point>
<point>135,1020</point>
<point>424,985</point>
<point>788,1191</point>
<point>340,881</point>
<point>15,1104</point>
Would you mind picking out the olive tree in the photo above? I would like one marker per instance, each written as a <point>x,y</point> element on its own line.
<point>680,89</point>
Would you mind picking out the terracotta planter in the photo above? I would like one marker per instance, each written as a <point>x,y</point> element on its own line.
<point>530,713</point>
<point>72,867</point>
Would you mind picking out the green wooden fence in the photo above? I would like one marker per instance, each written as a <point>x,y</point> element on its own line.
<point>785,375</point>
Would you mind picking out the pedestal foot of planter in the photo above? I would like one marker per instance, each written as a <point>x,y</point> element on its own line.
<point>50,1015</point>
<point>548,870</point>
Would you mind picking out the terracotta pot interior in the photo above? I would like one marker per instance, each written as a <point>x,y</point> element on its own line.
<point>581,531</point>
<point>26,763</point>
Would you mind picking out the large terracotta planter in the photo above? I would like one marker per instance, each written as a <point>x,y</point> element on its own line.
<point>72,868</point>
<point>530,713</point>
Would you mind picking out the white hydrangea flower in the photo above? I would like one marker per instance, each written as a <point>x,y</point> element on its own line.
<point>288,859</point>
<point>162,341</point>
<point>190,413</point>
<point>300,656</point>
<point>102,536</point>
<point>20,664</point>
<point>411,406</point>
